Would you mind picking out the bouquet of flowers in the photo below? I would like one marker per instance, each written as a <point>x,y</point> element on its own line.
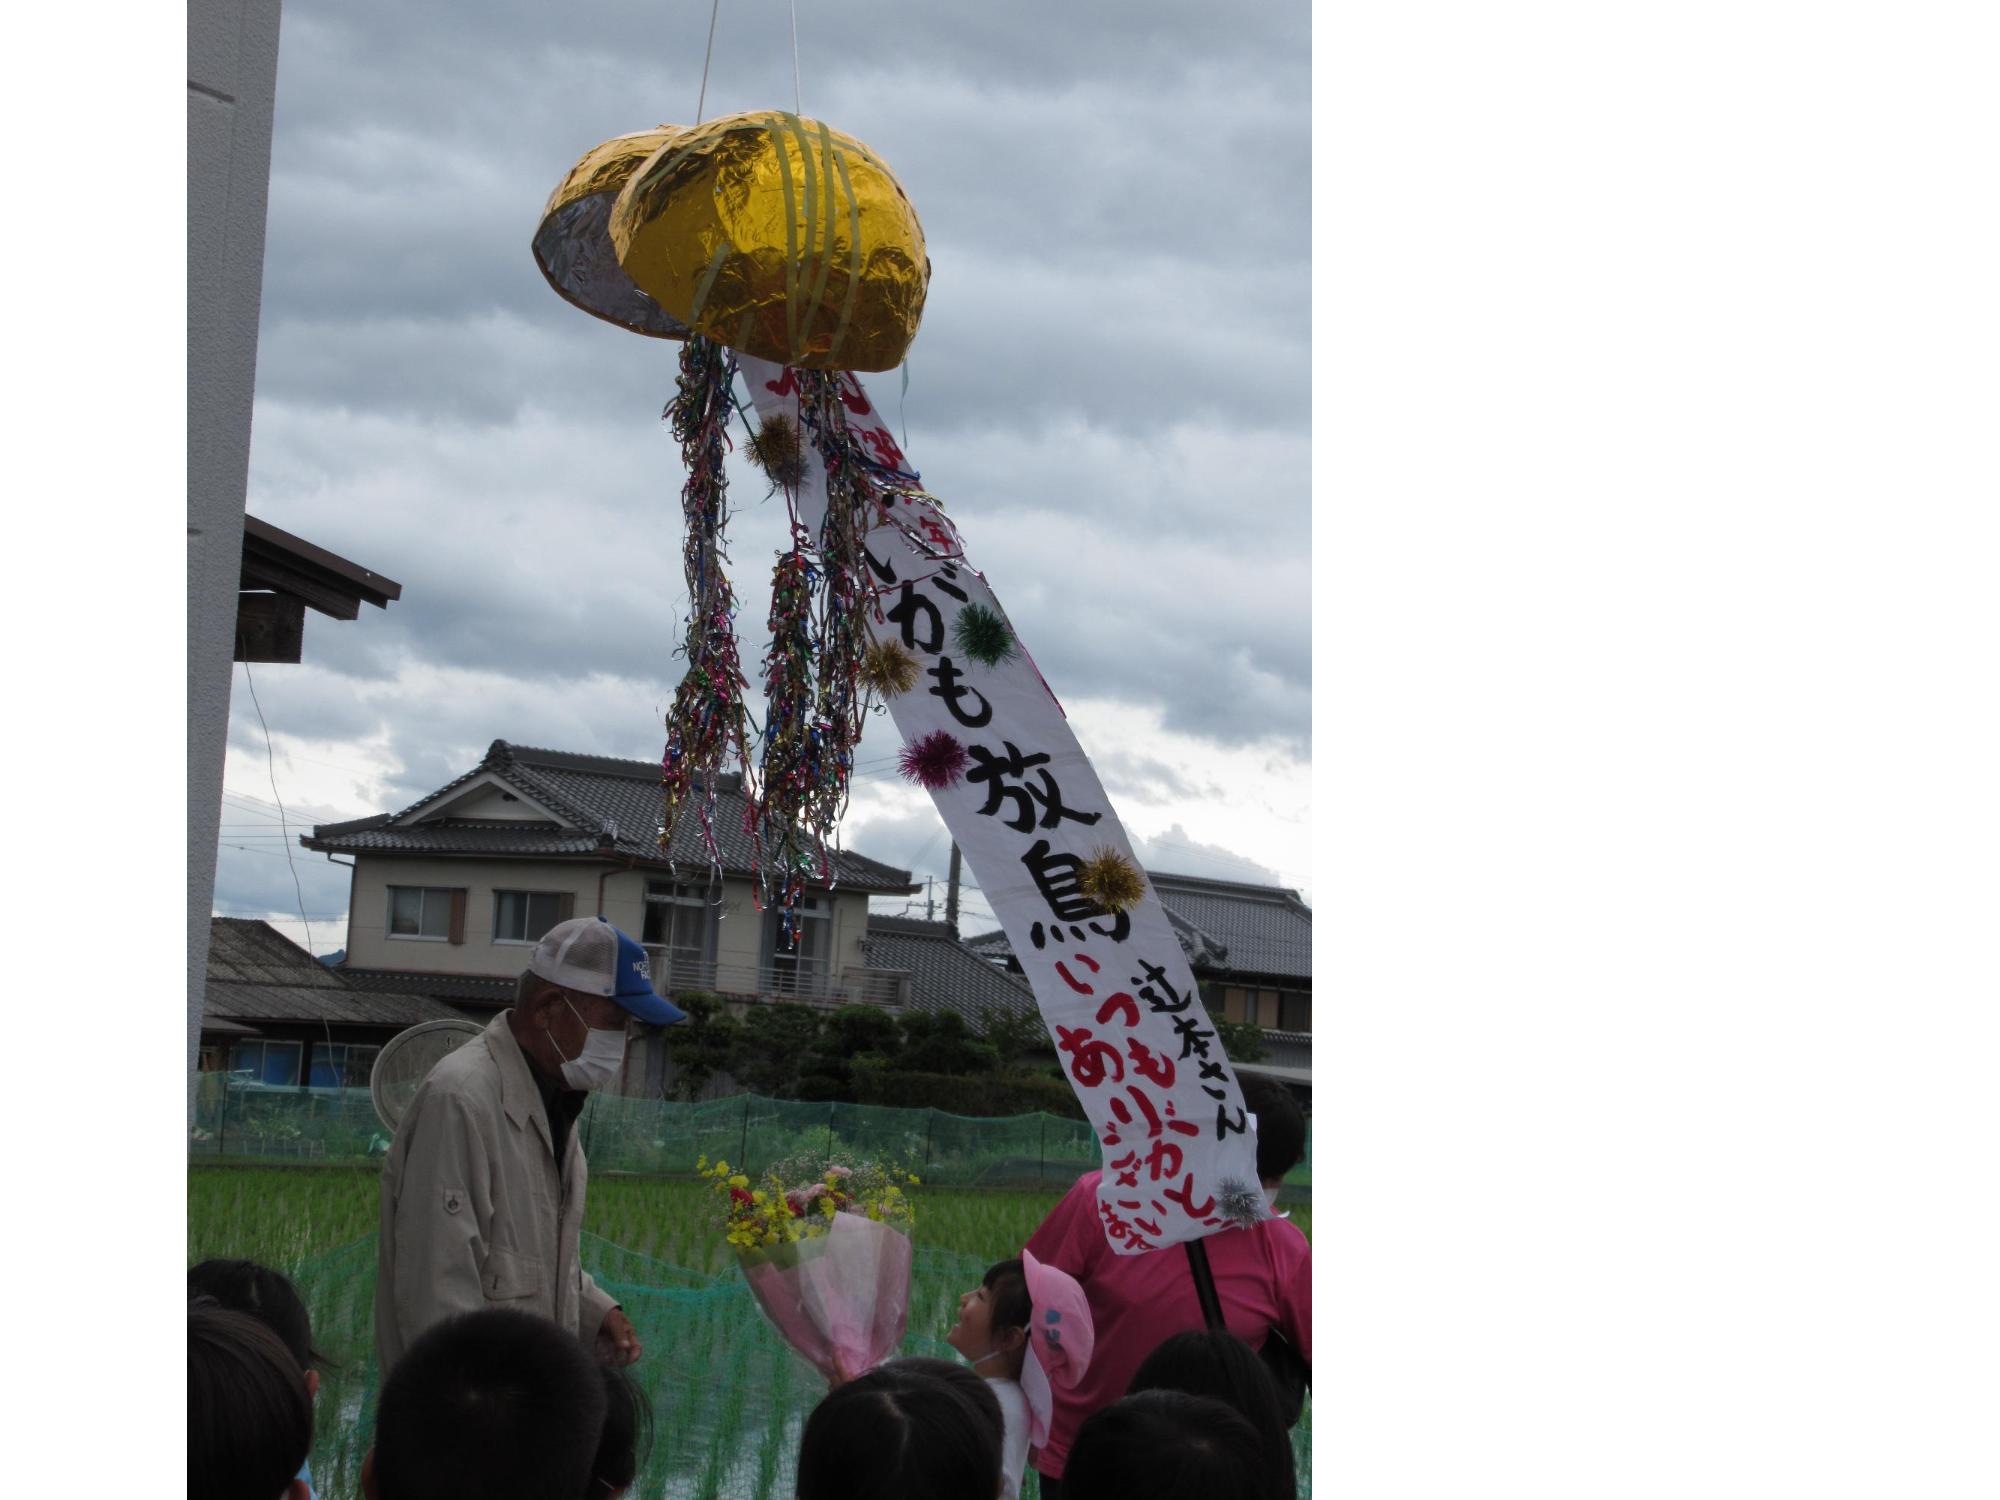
<point>825,1248</point>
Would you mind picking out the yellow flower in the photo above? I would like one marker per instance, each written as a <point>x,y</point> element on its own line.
<point>701,1162</point>
<point>758,1196</point>
<point>826,1207</point>
<point>916,1181</point>
<point>739,1181</point>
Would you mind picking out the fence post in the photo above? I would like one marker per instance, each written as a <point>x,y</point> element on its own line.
<point>743,1141</point>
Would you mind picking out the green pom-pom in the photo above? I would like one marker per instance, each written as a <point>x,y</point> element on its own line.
<point>984,636</point>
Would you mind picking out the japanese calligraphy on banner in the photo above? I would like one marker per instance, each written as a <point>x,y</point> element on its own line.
<point>1030,817</point>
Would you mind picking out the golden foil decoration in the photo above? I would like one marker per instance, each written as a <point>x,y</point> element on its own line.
<point>573,245</point>
<point>776,236</point>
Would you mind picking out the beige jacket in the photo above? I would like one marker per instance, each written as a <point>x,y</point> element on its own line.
<point>474,1211</point>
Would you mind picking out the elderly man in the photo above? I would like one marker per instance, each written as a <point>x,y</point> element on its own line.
<point>482,1194</point>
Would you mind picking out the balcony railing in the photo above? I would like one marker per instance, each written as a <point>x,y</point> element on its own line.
<point>804,983</point>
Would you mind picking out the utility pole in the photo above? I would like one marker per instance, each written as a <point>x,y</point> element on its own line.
<point>951,892</point>
<point>930,900</point>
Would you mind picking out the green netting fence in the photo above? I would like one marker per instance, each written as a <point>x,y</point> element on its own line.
<point>665,1136</point>
<point>729,1400</point>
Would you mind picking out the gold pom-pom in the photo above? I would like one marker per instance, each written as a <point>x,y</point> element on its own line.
<point>775,448</point>
<point>1111,880</point>
<point>888,670</point>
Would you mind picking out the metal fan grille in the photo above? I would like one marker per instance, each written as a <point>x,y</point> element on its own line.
<point>407,1058</point>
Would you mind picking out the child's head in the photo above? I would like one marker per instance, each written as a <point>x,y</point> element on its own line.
<point>628,1433</point>
<point>249,1417</point>
<point>1281,1127</point>
<point>266,1295</point>
<point>1222,1366</point>
<point>497,1405</point>
<point>912,1429</point>
<point>992,1327</point>
<point>1165,1445</point>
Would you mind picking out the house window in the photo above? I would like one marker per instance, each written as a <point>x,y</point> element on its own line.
<point>342,1065</point>
<point>799,963</point>
<point>1294,1011</point>
<point>523,916</point>
<point>272,1064</point>
<point>420,911</point>
<point>678,934</point>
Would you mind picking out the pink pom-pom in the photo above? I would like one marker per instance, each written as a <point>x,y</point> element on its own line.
<point>935,762</point>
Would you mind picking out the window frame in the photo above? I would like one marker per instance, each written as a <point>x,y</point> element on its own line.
<point>264,1044</point>
<point>813,906</point>
<point>425,893</point>
<point>340,1057</point>
<point>564,900</point>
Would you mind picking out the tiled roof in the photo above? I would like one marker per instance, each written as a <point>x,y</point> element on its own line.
<point>473,991</point>
<point>257,974</point>
<point>1265,929</point>
<point>944,973</point>
<point>1225,926</point>
<point>610,809</point>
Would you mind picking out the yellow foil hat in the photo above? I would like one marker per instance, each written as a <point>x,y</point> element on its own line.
<point>573,247</point>
<point>777,237</point>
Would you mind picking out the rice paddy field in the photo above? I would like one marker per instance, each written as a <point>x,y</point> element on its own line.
<point>728,1397</point>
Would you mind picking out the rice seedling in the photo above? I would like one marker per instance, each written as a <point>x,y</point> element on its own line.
<point>729,1398</point>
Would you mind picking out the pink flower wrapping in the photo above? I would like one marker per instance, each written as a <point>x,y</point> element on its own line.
<point>841,1299</point>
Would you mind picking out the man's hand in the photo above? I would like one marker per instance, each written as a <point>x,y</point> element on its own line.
<point>617,1339</point>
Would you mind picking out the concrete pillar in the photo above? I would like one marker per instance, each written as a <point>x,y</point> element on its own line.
<point>232,73</point>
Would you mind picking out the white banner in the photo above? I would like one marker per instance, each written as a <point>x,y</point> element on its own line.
<point>1027,811</point>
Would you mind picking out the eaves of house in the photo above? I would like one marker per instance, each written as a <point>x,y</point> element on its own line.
<point>587,807</point>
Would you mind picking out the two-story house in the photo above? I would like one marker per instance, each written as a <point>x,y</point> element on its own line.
<point>449,896</point>
<point>1250,947</point>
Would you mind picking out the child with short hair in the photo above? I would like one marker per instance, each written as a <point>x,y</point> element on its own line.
<point>269,1297</point>
<point>250,1420</point>
<point>490,1405</point>
<point>911,1429</point>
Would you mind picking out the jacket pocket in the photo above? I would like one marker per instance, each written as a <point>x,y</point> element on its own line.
<point>510,1274</point>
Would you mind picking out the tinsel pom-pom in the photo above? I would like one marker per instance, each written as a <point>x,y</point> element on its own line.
<point>1111,880</point>
<point>888,669</point>
<point>934,762</point>
<point>776,449</point>
<point>1240,1203</point>
<point>983,635</point>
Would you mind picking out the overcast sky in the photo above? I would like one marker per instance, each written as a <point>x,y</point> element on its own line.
<point>1109,393</point>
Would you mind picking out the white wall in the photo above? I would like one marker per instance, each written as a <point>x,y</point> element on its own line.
<point>232,73</point>
<point>739,934</point>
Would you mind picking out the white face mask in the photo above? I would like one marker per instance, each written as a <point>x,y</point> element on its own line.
<point>602,1057</point>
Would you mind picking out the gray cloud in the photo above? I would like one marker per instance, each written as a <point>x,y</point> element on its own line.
<point>1109,392</point>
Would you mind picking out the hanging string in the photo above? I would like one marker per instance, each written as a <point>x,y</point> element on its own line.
<point>798,102</point>
<point>702,101</point>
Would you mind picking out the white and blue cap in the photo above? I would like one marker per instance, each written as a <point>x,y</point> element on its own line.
<point>589,955</point>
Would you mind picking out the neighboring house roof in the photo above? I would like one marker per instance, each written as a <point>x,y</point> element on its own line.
<point>257,974</point>
<point>1266,929</point>
<point>1287,1057</point>
<point>596,807</point>
<point>478,991</point>
<point>1223,926</point>
<point>944,973</point>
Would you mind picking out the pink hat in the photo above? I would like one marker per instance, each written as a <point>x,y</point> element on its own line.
<point>1060,1338</point>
